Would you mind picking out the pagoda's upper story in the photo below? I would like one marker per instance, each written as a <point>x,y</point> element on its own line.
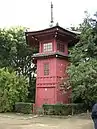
<point>51,41</point>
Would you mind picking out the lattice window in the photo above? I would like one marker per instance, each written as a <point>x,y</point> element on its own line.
<point>47,47</point>
<point>60,47</point>
<point>46,69</point>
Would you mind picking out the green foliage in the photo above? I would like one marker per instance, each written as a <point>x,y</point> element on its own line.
<point>31,89</point>
<point>13,88</point>
<point>83,69</point>
<point>83,79</point>
<point>63,109</point>
<point>16,55</point>
<point>22,107</point>
<point>14,52</point>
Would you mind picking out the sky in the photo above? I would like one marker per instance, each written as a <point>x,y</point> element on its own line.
<point>35,14</point>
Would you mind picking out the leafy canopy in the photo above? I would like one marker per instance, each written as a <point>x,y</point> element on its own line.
<point>16,54</point>
<point>83,69</point>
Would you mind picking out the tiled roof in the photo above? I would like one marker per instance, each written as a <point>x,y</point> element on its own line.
<point>49,54</point>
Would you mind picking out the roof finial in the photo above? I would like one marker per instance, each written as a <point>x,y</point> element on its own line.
<point>57,24</point>
<point>51,23</point>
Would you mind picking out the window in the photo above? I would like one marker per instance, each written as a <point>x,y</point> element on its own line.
<point>47,47</point>
<point>60,47</point>
<point>46,69</point>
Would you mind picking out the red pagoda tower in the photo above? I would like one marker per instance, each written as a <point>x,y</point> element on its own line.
<point>52,62</point>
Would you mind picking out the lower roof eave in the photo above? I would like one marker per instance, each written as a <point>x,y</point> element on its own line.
<point>52,55</point>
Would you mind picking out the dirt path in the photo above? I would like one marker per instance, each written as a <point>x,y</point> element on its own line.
<point>13,121</point>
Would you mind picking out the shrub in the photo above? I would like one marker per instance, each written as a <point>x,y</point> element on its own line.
<point>13,89</point>
<point>63,109</point>
<point>22,107</point>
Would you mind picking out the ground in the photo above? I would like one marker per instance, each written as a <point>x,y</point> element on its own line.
<point>18,121</point>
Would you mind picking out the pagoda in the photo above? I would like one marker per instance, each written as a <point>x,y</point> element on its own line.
<point>52,61</point>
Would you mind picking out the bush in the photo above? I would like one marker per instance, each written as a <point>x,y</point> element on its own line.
<point>22,107</point>
<point>63,109</point>
<point>13,89</point>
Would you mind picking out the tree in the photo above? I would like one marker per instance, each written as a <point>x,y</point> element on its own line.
<point>84,82</point>
<point>13,89</point>
<point>16,54</point>
<point>14,51</point>
<point>83,69</point>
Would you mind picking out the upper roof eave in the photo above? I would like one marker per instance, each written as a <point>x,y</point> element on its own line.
<point>52,29</point>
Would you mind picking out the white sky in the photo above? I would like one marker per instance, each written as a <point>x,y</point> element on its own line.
<point>36,13</point>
